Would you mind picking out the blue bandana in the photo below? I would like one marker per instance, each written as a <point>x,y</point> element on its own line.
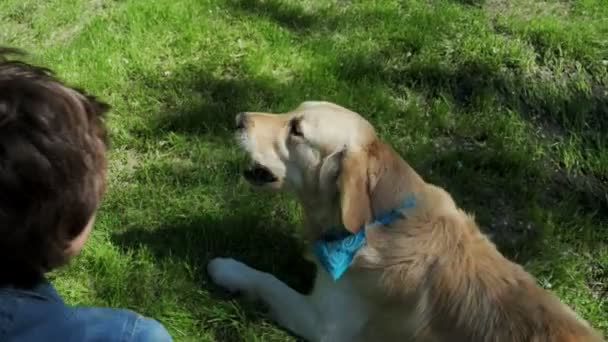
<point>338,247</point>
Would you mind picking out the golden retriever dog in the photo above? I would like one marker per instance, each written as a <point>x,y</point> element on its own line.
<point>427,275</point>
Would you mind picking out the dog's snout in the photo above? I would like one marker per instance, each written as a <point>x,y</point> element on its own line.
<point>241,121</point>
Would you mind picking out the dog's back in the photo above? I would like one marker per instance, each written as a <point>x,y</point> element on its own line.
<point>499,301</point>
<point>465,289</point>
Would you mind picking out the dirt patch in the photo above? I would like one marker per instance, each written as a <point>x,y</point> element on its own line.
<point>90,10</point>
<point>526,9</point>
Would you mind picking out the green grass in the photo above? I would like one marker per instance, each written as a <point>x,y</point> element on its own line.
<point>504,103</point>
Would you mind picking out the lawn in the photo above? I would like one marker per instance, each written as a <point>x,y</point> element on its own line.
<point>502,102</point>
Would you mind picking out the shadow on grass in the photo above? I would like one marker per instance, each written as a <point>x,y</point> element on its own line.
<point>243,236</point>
<point>200,103</point>
<point>214,103</point>
<point>246,237</point>
<point>288,15</point>
<point>574,105</point>
<point>304,21</point>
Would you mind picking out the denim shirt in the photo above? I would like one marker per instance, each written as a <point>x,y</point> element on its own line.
<point>39,314</point>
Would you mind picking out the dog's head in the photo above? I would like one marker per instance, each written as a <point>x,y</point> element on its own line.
<point>326,154</point>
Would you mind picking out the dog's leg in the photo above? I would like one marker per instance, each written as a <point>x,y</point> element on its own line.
<point>288,308</point>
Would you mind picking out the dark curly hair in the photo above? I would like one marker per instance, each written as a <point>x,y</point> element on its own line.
<point>52,167</point>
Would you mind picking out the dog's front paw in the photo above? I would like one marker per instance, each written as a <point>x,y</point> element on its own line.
<point>232,275</point>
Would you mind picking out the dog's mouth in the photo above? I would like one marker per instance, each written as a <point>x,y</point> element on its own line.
<point>259,174</point>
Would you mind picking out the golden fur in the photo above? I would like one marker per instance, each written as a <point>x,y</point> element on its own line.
<point>430,276</point>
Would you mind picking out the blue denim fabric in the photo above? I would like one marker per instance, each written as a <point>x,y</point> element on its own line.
<point>40,314</point>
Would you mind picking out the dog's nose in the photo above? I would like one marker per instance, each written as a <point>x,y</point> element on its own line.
<point>241,121</point>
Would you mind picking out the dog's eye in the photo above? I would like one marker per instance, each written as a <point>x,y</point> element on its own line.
<point>294,128</point>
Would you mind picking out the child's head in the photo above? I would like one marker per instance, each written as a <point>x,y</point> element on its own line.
<point>52,169</point>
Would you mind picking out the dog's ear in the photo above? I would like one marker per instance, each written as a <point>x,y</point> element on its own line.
<point>354,187</point>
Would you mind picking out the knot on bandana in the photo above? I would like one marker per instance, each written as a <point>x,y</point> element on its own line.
<point>337,248</point>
